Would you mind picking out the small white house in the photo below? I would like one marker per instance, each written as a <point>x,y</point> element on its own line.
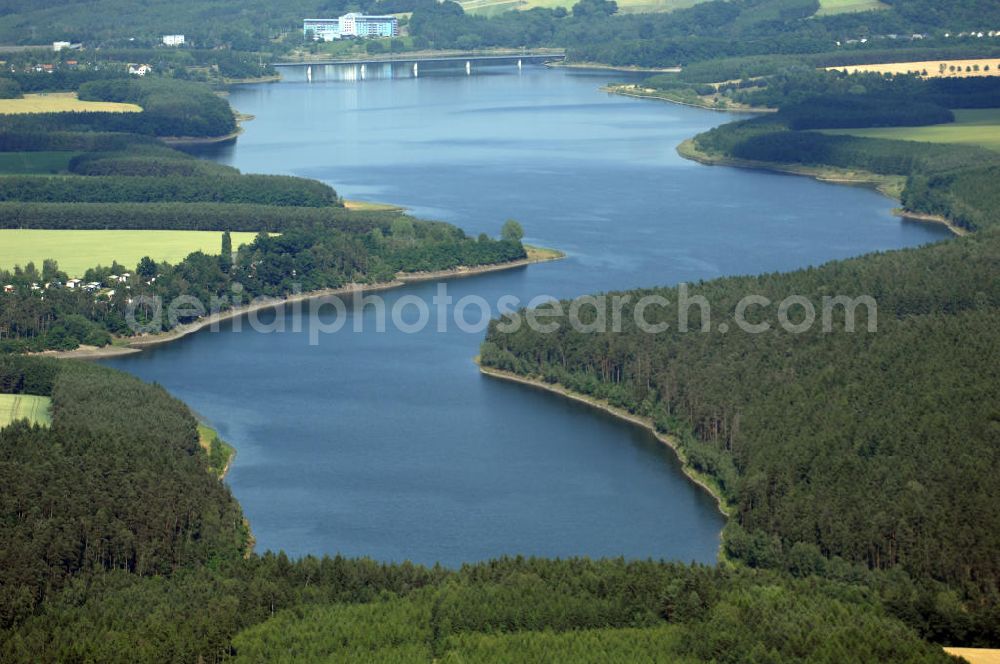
<point>9,288</point>
<point>173,40</point>
<point>73,283</point>
<point>139,70</point>
<point>60,45</point>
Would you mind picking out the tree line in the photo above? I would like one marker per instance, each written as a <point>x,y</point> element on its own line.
<point>277,190</point>
<point>873,449</point>
<point>185,216</point>
<point>942,179</point>
<point>301,259</point>
<point>733,68</point>
<point>121,546</point>
<point>97,492</point>
<point>169,108</point>
<point>36,139</point>
<point>146,160</point>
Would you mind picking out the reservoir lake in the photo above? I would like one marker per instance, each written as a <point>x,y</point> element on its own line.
<point>392,445</point>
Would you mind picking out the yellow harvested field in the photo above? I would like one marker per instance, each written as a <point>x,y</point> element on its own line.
<point>58,102</point>
<point>830,7</point>
<point>934,68</point>
<point>976,655</point>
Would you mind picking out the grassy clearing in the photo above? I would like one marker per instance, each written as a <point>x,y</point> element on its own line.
<point>829,7</point>
<point>971,127</point>
<point>368,206</point>
<point>493,7</point>
<point>77,251</point>
<point>35,162</point>
<point>24,406</point>
<point>539,254</point>
<point>58,102</point>
<point>934,68</point>
<point>219,452</point>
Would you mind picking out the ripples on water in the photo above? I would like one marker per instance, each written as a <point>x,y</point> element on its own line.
<point>392,445</point>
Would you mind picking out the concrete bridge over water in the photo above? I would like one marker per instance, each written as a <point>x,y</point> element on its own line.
<point>403,58</point>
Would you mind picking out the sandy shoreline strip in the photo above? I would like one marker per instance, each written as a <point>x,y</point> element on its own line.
<point>930,219</point>
<point>136,345</point>
<point>638,93</point>
<point>623,414</point>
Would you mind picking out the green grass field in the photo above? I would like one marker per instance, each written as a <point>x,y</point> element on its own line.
<point>77,251</point>
<point>24,406</point>
<point>828,7</point>
<point>980,126</point>
<point>35,162</point>
<point>493,7</point>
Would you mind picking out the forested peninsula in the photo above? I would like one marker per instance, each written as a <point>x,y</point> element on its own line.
<point>840,454</point>
<point>120,176</point>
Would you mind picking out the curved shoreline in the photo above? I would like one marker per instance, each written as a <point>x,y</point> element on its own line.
<point>694,476</point>
<point>887,185</point>
<point>638,93</point>
<point>201,140</point>
<point>138,344</point>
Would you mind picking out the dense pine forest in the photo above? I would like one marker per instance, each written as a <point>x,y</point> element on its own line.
<point>170,107</point>
<point>118,544</point>
<point>857,467</point>
<point>834,449</point>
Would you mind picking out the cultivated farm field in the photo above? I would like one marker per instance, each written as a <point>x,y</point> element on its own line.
<point>58,102</point>
<point>934,68</point>
<point>828,7</point>
<point>24,406</point>
<point>980,126</point>
<point>76,251</point>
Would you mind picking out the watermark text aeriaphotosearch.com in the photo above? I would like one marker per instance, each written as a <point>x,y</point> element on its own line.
<point>411,314</point>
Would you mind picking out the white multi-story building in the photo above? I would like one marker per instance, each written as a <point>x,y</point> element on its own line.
<point>350,25</point>
<point>321,29</point>
<point>173,40</point>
